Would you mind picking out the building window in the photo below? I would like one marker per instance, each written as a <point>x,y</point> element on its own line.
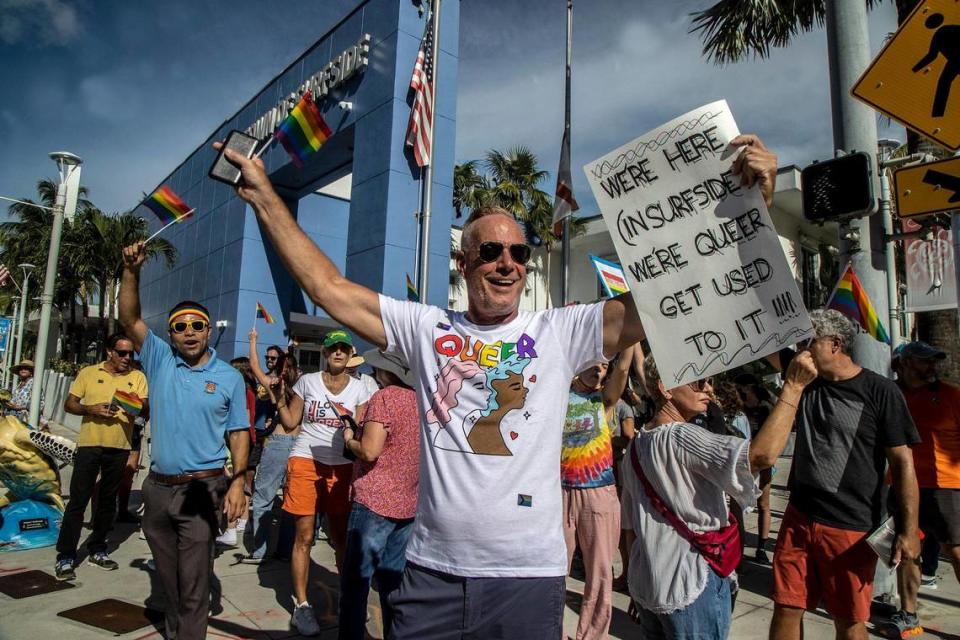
<point>810,277</point>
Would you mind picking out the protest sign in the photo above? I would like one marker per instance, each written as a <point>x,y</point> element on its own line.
<point>699,251</point>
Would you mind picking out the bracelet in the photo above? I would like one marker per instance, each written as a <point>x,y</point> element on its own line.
<point>789,404</point>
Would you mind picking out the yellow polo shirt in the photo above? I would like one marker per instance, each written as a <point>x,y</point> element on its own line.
<point>96,385</point>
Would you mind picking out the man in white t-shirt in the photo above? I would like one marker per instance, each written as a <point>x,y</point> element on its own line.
<point>487,555</point>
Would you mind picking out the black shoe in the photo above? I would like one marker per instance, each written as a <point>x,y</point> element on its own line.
<point>64,570</point>
<point>761,557</point>
<point>126,517</point>
<point>102,560</point>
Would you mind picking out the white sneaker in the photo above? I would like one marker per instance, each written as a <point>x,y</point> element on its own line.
<point>241,524</point>
<point>228,538</point>
<point>303,619</point>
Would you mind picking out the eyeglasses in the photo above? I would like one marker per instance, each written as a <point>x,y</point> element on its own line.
<point>491,251</point>
<point>123,353</point>
<point>806,344</point>
<point>196,325</point>
<point>700,385</point>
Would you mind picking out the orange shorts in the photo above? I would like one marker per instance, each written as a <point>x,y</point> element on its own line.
<point>815,561</point>
<point>313,487</point>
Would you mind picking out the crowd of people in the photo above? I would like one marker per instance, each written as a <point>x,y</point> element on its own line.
<point>492,446</point>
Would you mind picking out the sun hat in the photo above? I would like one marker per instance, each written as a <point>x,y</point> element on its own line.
<point>391,362</point>
<point>24,364</point>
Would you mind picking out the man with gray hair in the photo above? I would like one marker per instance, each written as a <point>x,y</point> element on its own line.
<point>850,423</point>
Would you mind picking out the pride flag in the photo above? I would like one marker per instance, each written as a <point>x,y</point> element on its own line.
<point>168,206</point>
<point>303,131</point>
<point>263,313</point>
<point>128,401</point>
<point>851,300</point>
<point>611,275</point>
<point>412,294</point>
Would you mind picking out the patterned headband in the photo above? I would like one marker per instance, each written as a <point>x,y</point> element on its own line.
<point>188,311</point>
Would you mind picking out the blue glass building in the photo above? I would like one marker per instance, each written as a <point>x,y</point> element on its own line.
<point>356,198</point>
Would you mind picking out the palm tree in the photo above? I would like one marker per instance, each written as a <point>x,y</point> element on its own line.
<point>99,244</point>
<point>733,30</point>
<point>470,188</point>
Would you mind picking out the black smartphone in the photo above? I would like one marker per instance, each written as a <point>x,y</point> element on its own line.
<point>224,170</point>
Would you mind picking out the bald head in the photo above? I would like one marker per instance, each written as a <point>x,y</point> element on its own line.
<point>468,238</point>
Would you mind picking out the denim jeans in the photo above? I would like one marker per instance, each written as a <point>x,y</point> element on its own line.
<point>376,546</point>
<point>271,474</point>
<point>707,618</point>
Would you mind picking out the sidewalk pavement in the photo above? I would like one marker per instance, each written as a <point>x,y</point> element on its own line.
<point>251,601</point>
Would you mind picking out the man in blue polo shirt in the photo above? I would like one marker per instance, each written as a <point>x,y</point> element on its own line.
<point>197,400</point>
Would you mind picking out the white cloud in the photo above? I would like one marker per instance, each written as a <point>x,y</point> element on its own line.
<point>38,22</point>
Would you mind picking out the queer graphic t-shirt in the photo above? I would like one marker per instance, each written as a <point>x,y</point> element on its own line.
<point>843,431</point>
<point>321,436</point>
<point>492,403</point>
<point>586,460</point>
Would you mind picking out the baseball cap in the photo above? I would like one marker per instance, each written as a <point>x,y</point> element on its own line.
<point>922,351</point>
<point>337,336</point>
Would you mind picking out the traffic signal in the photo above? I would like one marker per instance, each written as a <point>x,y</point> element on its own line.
<point>840,188</point>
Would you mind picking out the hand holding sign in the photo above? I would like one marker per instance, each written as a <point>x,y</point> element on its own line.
<point>685,205</point>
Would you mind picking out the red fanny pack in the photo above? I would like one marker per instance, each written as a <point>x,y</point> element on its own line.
<point>720,548</point>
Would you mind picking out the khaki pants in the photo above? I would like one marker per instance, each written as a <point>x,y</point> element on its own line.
<point>591,520</point>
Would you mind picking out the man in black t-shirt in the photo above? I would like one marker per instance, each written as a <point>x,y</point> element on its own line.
<point>851,422</point>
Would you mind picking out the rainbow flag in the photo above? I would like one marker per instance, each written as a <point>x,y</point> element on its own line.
<point>303,131</point>
<point>263,313</point>
<point>128,401</point>
<point>168,206</point>
<point>851,300</point>
<point>611,276</point>
<point>412,294</point>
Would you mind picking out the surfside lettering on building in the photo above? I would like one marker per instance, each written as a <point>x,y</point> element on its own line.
<point>349,63</point>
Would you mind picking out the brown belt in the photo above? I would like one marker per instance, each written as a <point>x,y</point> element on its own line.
<point>183,478</point>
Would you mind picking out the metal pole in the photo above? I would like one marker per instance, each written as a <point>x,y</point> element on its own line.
<point>889,248</point>
<point>565,241</point>
<point>21,319</point>
<point>955,227</point>
<point>426,174</point>
<point>855,129</point>
<point>8,352</point>
<point>69,180</point>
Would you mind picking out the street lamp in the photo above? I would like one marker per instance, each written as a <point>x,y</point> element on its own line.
<point>27,269</point>
<point>67,191</point>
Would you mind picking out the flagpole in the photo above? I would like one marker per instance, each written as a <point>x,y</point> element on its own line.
<point>565,241</point>
<point>160,230</point>
<point>426,173</point>
<point>266,145</point>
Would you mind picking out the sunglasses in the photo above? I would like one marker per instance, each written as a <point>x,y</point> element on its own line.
<point>271,357</point>
<point>123,353</point>
<point>491,251</point>
<point>180,327</point>
<point>700,385</point>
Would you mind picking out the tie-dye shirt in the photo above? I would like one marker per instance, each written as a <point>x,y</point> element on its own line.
<point>586,460</point>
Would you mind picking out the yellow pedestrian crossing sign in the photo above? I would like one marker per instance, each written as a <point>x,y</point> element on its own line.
<point>915,79</point>
<point>928,188</point>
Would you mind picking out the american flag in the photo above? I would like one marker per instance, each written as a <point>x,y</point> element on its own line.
<point>4,274</point>
<point>421,114</point>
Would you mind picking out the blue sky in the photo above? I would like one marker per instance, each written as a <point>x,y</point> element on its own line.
<point>133,87</point>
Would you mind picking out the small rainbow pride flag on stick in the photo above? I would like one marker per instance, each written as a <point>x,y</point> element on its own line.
<point>128,401</point>
<point>263,313</point>
<point>851,300</point>
<point>412,294</point>
<point>611,276</point>
<point>168,206</point>
<point>303,131</point>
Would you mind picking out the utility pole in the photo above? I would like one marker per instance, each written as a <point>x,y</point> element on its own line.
<point>21,316</point>
<point>66,205</point>
<point>855,129</point>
